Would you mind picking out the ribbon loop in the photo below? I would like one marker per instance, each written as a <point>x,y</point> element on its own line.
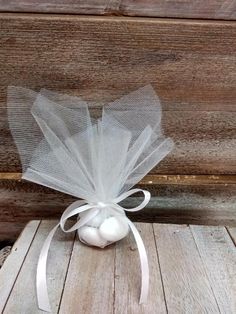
<point>75,209</point>
<point>147,197</point>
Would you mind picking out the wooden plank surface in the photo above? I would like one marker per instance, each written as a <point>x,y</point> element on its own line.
<point>23,297</point>
<point>15,260</point>
<point>127,279</point>
<point>191,65</point>
<point>223,9</point>
<point>218,254</point>
<point>89,285</point>
<point>214,9</point>
<point>192,270</point>
<point>186,285</point>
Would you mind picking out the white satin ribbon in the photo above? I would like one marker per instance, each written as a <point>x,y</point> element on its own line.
<point>79,207</point>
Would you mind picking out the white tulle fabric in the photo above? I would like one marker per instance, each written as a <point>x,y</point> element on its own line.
<point>62,146</point>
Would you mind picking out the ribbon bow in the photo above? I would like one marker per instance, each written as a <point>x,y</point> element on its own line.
<point>79,207</point>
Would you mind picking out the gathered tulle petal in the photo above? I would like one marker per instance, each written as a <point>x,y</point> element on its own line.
<point>62,147</point>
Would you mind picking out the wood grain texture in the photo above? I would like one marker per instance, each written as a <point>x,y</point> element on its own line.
<point>191,65</point>
<point>223,9</point>
<point>190,203</point>
<point>194,266</point>
<point>154,179</point>
<point>91,274</point>
<point>58,260</point>
<point>13,263</point>
<point>218,254</point>
<point>186,285</point>
<point>9,231</point>
<point>127,280</point>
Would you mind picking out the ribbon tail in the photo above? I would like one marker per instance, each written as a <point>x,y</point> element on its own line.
<point>143,263</point>
<point>41,276</point>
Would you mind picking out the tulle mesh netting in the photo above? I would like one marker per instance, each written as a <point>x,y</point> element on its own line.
<point>62,147</point>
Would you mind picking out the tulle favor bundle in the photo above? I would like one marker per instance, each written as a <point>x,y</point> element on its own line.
<point>98,160</point>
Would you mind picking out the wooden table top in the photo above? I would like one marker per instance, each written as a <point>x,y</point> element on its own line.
<point>192,270</point>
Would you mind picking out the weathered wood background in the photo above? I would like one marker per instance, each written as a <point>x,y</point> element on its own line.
<point>176,199</point>
<point>190,63</point>
<point>214,9</point>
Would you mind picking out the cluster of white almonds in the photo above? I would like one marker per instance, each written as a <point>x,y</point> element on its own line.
<point>105,228</point>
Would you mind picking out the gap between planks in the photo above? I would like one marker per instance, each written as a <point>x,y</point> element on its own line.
<point>152,179</point>
<point>118,19</point>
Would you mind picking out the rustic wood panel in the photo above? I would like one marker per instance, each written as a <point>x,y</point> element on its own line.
<point>186,285</point>
<point>207,146</point>
<point>190,202</point>
<point>176,199</point>
<point>154,179</point>
<point>127,280</point>
<point>9,230</point>
<point>192,271</point>
<point>23,298</point>
<point>90,271</point>
<point>223,9</point>
<point>13,264</point>
<point>218,254</point>
<point>191,65</point>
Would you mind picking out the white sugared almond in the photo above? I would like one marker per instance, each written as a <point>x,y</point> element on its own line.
<point>114,229</point>
<point>94,222</point>
<point>91,236</point>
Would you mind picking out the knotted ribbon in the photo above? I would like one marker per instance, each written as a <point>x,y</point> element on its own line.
<point>76,208</point>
